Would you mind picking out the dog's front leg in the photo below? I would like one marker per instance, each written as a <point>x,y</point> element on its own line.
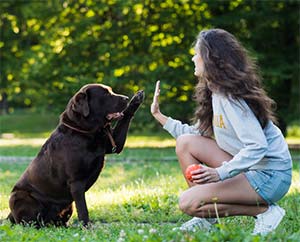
<point>121,129</point>
<point>78,194</point>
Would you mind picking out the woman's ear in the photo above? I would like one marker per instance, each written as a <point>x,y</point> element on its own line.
<point>80,104</point>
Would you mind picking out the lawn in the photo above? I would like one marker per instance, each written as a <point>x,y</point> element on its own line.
<point>134,199</point>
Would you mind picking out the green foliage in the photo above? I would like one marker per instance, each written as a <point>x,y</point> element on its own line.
<point>49,49</point>
<point>293,131</point>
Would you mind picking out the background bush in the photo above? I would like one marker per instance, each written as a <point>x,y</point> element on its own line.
<point>49,49</point>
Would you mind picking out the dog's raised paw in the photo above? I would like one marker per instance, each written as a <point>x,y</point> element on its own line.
<point>138,98</point>
<point>135,102</point>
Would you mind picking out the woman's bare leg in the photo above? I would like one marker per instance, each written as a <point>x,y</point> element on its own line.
<point>195,149</point>
<point>234,196</point>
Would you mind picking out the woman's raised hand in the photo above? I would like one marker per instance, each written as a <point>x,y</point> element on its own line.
<point>155,106</point>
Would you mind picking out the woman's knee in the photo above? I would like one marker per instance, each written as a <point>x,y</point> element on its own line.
<point>188,204</point>
<point>184,203</point>
<point>183,143</point>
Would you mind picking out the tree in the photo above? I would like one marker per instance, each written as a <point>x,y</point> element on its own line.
<point>50,49</point>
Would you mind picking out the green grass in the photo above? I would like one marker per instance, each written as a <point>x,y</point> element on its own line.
<point>136,196</point>
<point>28,124</point>
<point>138,201</point>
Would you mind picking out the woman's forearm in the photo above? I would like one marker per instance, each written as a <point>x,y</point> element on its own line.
<point>161,118</point>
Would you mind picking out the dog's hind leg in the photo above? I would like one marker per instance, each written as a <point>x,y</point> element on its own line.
<point>11,218</point>
<point>65,215</point>
<point>25,209</point>
<point>60,216</point>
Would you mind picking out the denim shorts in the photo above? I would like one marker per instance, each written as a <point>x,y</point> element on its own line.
<point>271,185</point>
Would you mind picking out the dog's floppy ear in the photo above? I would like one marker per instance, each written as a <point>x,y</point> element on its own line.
<point>80,104</point>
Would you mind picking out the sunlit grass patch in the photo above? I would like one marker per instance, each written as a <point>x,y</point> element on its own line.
<point>138,201</point>
<point>295,187</point>
<point>132,141</point>
<point>150,141</point>
<point>22,141</point>
<point>146,198</point>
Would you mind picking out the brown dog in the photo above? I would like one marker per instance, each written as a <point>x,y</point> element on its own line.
<point>72,158</point>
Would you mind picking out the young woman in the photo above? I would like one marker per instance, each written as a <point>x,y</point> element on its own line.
<point>248,166</point>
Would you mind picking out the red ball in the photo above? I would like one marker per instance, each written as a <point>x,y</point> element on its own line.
<point>191,168</point>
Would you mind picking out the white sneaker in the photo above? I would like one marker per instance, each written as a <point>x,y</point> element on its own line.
<point>197,223</point>
<point>269,220</point>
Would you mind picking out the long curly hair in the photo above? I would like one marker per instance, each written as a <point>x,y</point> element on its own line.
<point>230,71</point>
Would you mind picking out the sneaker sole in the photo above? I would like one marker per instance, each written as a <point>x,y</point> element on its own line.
<point>194,225</point>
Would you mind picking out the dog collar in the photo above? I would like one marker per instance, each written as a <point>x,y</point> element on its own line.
<point>106,129</point>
